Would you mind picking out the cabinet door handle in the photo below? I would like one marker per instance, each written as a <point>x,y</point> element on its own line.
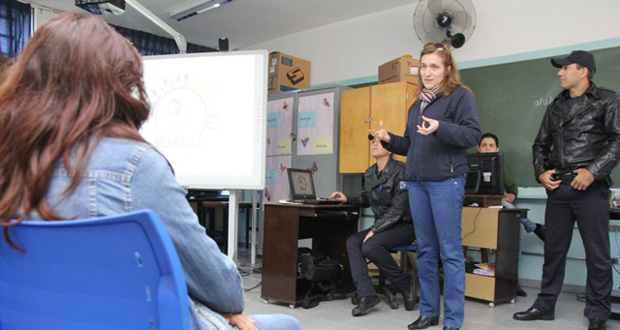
<point>368,120</point>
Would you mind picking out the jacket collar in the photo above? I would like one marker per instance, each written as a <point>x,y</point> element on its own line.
<point>593,92</point>
<point>377,181</point>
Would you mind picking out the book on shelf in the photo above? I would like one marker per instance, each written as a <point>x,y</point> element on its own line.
<point>485,272</point>
<point>488,265</point>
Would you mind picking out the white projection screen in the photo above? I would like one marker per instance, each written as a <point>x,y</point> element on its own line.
<point>208,117</point>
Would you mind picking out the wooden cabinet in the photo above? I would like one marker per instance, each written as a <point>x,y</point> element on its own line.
<point>494,229</point>
<point>362,109</point>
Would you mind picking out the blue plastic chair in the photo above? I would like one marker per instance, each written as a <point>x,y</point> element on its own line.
<point>119,272</point>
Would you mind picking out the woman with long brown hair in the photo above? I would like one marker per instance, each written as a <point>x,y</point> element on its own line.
<point>442,125</point>
<point>70,110</point>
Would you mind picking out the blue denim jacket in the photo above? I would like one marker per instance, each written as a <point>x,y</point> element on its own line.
<point>124,176</point>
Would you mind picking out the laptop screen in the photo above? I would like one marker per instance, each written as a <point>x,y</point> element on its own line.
<point>301,183</point>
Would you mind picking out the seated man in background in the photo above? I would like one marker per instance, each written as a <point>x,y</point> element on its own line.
<point>393,227</point>
<point>490,143</point>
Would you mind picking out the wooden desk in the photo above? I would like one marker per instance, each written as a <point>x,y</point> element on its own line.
<point>487,200</point>
<point>329,226</point>
<point>496,229</point>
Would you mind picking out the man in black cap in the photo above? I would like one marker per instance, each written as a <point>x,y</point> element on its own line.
<point>577,146</point>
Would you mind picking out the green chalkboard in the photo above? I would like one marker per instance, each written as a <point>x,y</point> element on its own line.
<point>512,99</point>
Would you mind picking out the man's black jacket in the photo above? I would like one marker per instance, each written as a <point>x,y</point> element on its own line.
<point>586,136</point>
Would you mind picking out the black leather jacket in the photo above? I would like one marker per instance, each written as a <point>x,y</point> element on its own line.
<point>586,136</point>
<point>382,193</point>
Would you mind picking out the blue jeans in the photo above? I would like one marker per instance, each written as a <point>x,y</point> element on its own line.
<point>436,210</point>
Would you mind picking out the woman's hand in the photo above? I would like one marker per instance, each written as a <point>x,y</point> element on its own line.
<point>381,133</point>
<point>428,126</point>
<point>240,321</point>
<point>339,196</point>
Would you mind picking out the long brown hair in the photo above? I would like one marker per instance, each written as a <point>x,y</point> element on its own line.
<point>452,80</point>
<point>76,82</point>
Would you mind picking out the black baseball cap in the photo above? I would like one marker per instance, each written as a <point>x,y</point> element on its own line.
<point>581,57</point>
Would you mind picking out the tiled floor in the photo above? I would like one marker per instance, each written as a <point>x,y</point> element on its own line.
<point>336,314</point>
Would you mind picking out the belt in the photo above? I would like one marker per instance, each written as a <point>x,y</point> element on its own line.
<point>566,178</point>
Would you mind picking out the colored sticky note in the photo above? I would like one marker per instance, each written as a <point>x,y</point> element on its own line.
<point>324,145</point>
<point>306,119</point>
<point>273,120</point>
<point>272,177</point>
<point>284,147</point>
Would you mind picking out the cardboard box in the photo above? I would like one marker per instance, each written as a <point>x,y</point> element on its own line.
<point>403,68</point>
<point>287,73</point>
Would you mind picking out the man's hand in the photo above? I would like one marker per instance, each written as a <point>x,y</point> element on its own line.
<point>369,235</point>
<point>381,133</point>
<point>583,179</point>
<point>240,321</point>
<point>339,196</point>
<point>509,197</point>
<point>545,179</point>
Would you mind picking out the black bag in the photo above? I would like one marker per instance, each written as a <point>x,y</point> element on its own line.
<point>322,272</point>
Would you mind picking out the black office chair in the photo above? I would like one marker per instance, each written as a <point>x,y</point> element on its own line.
<point>383,288</point>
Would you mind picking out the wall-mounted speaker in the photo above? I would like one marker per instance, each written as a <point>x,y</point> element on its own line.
<point>223,43</point>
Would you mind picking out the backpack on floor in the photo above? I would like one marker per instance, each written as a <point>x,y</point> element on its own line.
<point>322,272</point>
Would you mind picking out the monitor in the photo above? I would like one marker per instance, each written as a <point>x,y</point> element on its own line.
<point>485,174</point>
<point>301,183</point>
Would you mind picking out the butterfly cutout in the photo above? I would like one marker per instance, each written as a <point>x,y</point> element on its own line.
<point>285,106</point>
<point>314,168</point>
<point>305,140</point>
<point>267,194</point>
<point>282,168</point>
<point>268,141</point>
<point>325,102</point>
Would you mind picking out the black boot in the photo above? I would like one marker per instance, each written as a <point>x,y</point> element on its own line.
<point>540,231</point>
<point>410,299</point>
<point>366,303</point>
<point>520,291</point>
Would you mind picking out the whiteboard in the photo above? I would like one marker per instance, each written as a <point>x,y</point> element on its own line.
<point>208,117</point>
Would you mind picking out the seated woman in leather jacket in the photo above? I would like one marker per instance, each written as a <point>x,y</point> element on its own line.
<point>393,227</point>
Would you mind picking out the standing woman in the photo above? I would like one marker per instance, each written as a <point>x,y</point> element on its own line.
<point>442,125</point>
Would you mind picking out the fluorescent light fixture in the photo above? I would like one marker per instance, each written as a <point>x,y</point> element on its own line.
<point>198,9</point>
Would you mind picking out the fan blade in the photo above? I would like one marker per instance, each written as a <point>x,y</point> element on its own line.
<point>461,19</point>
<point>435,7</point>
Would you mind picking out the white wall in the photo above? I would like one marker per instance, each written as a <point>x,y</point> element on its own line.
<point>350,51</point>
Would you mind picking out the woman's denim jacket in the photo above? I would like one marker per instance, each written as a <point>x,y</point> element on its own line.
<point>124,176</point>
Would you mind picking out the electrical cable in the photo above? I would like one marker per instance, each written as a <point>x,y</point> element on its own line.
<point>253,287</point>
<point>475,224</point>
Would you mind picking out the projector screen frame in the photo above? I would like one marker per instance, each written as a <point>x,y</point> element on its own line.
<point>258,120</point>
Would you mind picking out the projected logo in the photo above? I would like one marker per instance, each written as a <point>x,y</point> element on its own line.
<point>180,111</point>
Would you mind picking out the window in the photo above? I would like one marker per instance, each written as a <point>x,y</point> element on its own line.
<point>15,26</point>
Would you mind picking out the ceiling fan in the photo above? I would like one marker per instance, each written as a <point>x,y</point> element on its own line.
<point>451,22</point>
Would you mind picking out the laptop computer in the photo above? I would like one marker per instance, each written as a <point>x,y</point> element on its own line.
<point>302,188</point>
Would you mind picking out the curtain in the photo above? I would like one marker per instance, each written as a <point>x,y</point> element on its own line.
<point>15,26</point>
<point>150,44</point>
